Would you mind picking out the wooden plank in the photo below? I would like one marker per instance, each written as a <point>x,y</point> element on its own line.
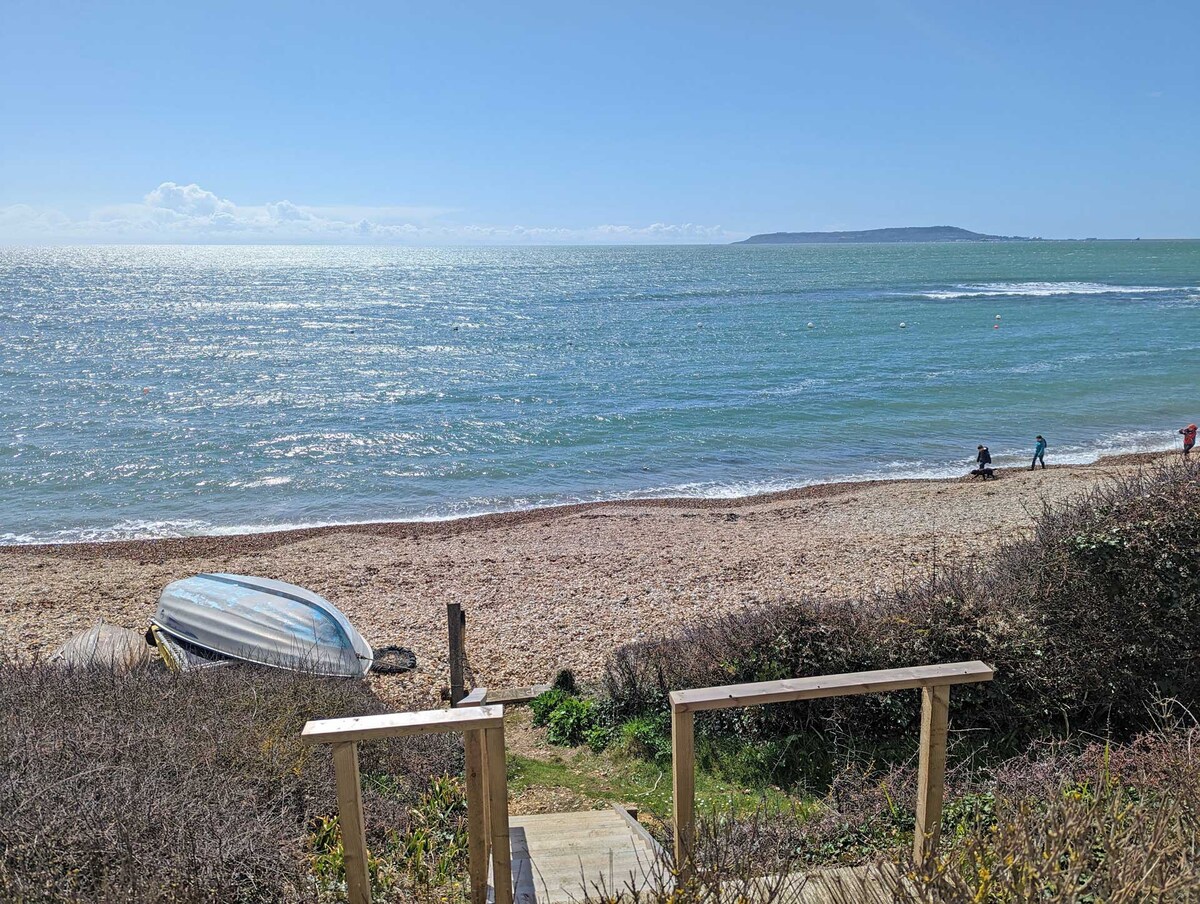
<point>497,781</point>
<point>762,692</point>
<point>477,697</point>
<point>350,821</point>
<point>477,827</point>
<point>572,828</point>
<point>390,725</point>
<point>456,624</point>
<point>518,694</point>
<point>931,770</point>
<point>576,845</point>
<point>683,770</point>
<point>612,869</point>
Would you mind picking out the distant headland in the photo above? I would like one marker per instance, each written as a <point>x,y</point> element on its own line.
<point>899,234</point>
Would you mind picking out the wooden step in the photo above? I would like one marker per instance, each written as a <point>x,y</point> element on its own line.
<point>556,857</point>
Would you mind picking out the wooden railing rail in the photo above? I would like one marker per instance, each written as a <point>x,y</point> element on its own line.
<point>477,697</point>
<point>934,682</point>
<point>482,728</point>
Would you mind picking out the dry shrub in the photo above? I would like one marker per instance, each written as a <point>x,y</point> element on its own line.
<point>1119,825</point>
<point>154,787</point>
<point>1087,621</point>
<point>1102,823</point>
<point>737,860</point>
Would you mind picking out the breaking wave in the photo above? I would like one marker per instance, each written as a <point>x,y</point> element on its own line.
<point>1042,290</point>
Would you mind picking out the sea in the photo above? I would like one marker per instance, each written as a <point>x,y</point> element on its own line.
<point>169,391</point>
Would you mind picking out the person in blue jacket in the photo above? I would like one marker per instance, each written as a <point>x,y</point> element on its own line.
<point>1039,453</point>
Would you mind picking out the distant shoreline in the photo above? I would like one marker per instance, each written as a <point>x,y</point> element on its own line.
<point>915,235</point>
<point>900,234</point>
<point>1013,241</point>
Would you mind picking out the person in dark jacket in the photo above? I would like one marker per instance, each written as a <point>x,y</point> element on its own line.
<point>1039,453</point>
<point>983,464</point>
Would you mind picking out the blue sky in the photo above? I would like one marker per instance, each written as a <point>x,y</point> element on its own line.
<point>560,122</point>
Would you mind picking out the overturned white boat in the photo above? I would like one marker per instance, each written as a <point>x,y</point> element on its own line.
<point>211,618</point>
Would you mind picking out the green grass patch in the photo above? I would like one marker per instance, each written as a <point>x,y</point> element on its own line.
<point>600,777</point>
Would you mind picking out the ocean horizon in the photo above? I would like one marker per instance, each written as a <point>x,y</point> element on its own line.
<point>153,391</point>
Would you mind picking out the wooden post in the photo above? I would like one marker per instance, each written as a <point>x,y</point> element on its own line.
<point>931,772</point>
<point>481,724</point>
<point>477,823</point>
<point>487,800</point>
<point>683,766</point>
<point>350,820</point>
<point>497,784</point>
<point>456,624</point>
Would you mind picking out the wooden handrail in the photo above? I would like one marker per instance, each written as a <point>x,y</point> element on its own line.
<point>787,690</point>
<point>482,727</point>
<point>934,682</point>
<point>395,725</point>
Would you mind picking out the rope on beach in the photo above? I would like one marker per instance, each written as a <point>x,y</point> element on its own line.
<point>393,660</point>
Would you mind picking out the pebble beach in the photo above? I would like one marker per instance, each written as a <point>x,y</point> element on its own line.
<point>561,587</point>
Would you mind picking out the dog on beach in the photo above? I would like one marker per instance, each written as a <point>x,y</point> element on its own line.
<point>985,472</point>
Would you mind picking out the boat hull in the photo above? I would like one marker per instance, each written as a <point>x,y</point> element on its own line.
<point>263,621</point>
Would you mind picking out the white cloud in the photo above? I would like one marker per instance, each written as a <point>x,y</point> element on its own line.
<point>189,200</point>
<point>177,213</point>
<point>286,210</point>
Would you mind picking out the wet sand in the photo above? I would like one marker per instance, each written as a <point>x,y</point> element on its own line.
<point>560,587</point>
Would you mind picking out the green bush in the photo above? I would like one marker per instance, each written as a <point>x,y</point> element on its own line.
<point>599,737</point>
<point>546,703</point>
<point>648,737</point>
<point>570,722</point>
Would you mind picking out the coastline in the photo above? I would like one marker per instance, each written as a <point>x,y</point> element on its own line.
<point>269,538</point>
<point>557,587</point>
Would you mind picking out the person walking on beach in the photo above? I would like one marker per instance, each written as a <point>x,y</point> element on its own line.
<point>1039,453</point>
<point>1189,438</point>
<point>984,458</point>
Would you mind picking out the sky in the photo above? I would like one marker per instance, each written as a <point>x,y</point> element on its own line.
<point>460,122</point>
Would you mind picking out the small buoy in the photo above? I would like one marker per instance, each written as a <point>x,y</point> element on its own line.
<point>997,316</point>
<point>145,390</point>
<point>995,326</point>
<point>811,325</point>
<point>903,325</point>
